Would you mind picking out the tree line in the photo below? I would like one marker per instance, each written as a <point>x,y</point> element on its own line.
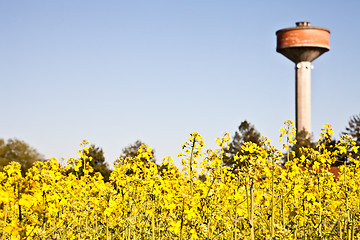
<point>15,150</point>
<point>247,133</point>
<point>19,151</point>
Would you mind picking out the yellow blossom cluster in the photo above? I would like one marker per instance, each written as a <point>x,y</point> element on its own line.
<point>259,200</point>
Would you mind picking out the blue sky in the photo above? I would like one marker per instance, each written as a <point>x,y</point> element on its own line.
<point>117,71</point>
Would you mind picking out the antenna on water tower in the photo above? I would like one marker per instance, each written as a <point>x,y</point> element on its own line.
<point>302,45</point>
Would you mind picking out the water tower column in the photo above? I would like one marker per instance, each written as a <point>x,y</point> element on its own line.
<point>303,96</point>
<point>302,45</point>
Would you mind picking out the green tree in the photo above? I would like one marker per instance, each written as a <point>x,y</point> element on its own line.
<point>98,162</point>
<point>15,150</point>
<point>132,151</point>
<point>246,133</point>
<point>303,139</point>
<point>353,128</point>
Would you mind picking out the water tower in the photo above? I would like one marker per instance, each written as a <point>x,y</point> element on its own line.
<point>302,45</point>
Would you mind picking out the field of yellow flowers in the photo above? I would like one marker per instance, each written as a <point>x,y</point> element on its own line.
<point>301,200</point>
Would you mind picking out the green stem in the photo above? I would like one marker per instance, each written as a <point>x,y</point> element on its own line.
<point>283,210</point>
<point>272,223</point>
<point>182,220</point>
<point>209,227</point>
<point>107,229</point>
<point>347,204</point>
<point>191,172</point>
<point>247,200</point>
<point>5,218</point>
<point>153,223</point>
<point>296,229</point>
<point>96,224</point>
<point>252,233</point>
<point>340,230</point>
<point>304,216</point>
<point>44,213</point>
<point>352,228</point>
<point>18,189</point>
<point>320,211</point>
<point>236,216</point>
<point>287,143</point>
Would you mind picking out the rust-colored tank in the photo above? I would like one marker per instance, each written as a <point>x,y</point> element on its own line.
<point>303,42</point>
